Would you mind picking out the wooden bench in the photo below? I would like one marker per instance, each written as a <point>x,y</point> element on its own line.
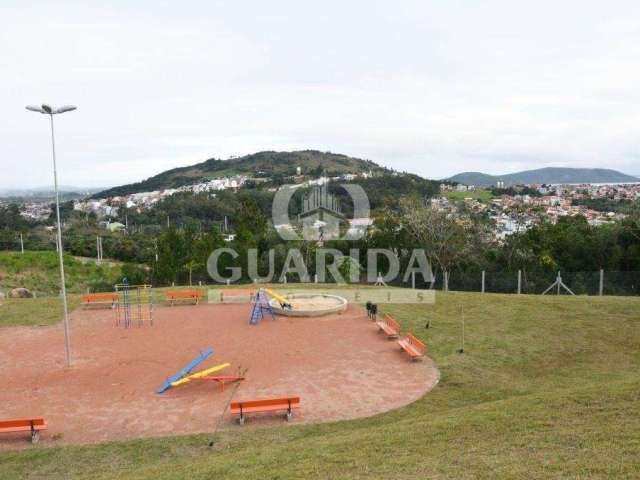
<point>265,405</point>
<point>389,326</point>
<point>414,347</point>
<point>99,300</point>
<point>33,425</point>
<point>174,296</point>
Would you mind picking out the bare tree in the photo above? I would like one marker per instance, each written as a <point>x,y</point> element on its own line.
<point>445,237</point>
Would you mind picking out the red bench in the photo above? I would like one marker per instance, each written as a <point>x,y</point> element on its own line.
<point>173,296</point>
<point>414,347</point>
<point>33,425</point>
<point>99,300</point>
<point>389,326</point>
<point>265,405</point>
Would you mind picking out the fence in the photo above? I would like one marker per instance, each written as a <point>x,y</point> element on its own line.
<point>580,283</point>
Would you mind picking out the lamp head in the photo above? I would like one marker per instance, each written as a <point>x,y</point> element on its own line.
<point>49,110</point>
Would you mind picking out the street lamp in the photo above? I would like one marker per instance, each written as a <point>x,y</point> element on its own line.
<point>49,110</point>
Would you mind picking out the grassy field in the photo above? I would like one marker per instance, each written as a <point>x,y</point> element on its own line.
<point>548,387</point>
<point>479,194</point>
<point>38,271</point>
<point>34,311</point>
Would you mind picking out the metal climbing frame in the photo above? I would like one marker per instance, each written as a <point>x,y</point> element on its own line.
<point>135,305</point>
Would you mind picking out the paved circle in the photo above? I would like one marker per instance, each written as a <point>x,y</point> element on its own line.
<point>339,364</point>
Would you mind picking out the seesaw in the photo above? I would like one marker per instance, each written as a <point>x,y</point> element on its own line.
<point>222,379</point>
<point>185,371</point>
<point>200,375</point>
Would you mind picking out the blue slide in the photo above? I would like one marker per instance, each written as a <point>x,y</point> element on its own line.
<point>186,370</point>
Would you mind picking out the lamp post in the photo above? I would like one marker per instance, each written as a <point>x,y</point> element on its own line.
<point>51,111</point>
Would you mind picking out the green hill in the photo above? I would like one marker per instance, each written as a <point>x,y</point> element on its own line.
<point>38,271</point>
<point>258,164</point>
<point>549,175</point>
<point>547,387</point>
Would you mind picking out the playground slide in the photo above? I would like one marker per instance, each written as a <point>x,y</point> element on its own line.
<point>201,374</point>
<point>284,303</point>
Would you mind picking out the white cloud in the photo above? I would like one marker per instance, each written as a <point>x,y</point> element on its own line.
<point>429,87</point>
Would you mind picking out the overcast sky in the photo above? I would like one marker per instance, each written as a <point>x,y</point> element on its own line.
<point>431,87</point>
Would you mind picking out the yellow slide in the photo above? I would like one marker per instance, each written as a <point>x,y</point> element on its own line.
<point>203,373</point>
<point>284,303</point>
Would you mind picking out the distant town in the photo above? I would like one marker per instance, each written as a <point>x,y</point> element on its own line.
<point>509,209</point>
<point>516,212</point>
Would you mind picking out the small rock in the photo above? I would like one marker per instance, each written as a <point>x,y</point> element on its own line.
<point>20,293</point>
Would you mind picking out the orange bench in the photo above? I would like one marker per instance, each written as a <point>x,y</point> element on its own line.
<point>265,405</point>
<point>33,425</point>
<point>99,299</point>
<point>414,347</point>
<point>389,326</point>
<point>173,296</point>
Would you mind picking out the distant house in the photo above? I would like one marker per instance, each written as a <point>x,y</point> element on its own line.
<point>115,227</point>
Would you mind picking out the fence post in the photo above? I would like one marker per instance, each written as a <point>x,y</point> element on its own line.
<point>519,282</point>
<point>413,280</point>
<point>601,289</point>
<point>482,288</point>
<point>445,281</point>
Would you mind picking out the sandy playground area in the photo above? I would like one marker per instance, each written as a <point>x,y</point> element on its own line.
<point>339,365</point>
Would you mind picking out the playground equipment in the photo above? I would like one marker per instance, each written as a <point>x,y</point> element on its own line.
<point>284,303</point>
<point>200,374</point>
<point>309,304</point>
<point>223,379</point>
<point>135,304</point>
<point>207,376</point>
<point>261,305</point>
<point>185,371</point>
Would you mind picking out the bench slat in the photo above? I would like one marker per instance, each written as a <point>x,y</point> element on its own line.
<point>265,402</point>
<point>187,295</point>
<point>242,408</point>
<point>414,347</point>
<point>265,408</point>
<point>22,424</point>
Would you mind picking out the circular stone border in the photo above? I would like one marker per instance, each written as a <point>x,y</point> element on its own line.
<point>278,310</point>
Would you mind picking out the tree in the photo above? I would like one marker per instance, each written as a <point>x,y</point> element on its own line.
<point>444,238</point>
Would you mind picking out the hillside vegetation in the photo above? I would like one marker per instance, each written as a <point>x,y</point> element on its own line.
<point>547,387</point>
<point>254,165</point>
<point>39,272</point>
<point>545,175</point>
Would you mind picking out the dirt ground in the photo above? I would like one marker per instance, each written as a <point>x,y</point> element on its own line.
<point>339,365</point>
